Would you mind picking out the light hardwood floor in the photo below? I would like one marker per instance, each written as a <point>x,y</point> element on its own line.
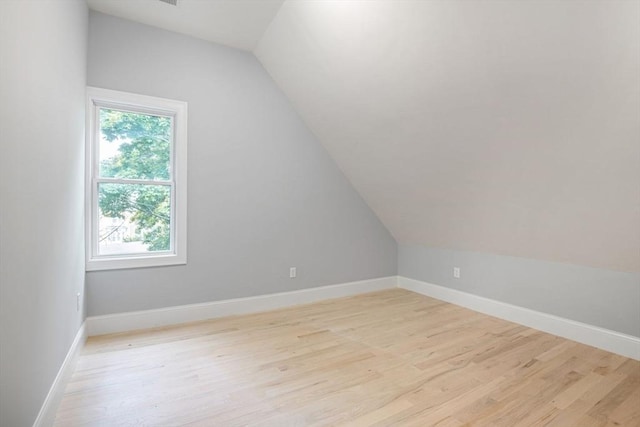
<point>390,358</point>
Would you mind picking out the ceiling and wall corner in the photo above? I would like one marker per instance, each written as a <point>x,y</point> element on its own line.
<point>235,23</point>
<point>499,127</point>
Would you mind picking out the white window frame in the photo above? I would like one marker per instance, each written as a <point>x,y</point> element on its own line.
<point>104,98</point>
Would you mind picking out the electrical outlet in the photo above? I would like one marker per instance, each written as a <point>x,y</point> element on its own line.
<point>78,301</point>
<point>292,272</point>
<point>456,272</point>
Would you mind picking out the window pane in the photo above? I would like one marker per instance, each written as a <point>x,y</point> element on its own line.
<point>134,145</point>
<point>133,218</point>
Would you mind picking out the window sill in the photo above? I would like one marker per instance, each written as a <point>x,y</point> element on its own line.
<point>146,261</point>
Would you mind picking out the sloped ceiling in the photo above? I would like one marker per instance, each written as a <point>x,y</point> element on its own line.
<point>235,23</point>
<point>508,127</point>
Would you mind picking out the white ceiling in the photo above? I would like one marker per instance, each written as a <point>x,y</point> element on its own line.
<point>235,23</point>
<point>508,127</point>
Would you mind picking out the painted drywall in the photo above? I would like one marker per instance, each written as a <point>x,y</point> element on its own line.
<point>263,194</point>
<point>605,298</point>
<point>42,81</point>
<point>506,127</point>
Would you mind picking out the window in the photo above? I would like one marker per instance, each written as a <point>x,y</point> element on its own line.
<point>136,180</point>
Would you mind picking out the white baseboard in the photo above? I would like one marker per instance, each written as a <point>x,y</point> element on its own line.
<point>626,345</point>
<point>615,342</point>
<point>47,413</point>
<point>122,322</point>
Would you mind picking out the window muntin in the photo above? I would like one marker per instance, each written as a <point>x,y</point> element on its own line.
<point>136,181</point>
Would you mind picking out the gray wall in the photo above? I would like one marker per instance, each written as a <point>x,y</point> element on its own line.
<point>42,87</point>
<point>605,298</point>
<point>263,193</point>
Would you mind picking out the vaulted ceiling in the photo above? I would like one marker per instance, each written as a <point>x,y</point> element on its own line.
<point>508,127</point>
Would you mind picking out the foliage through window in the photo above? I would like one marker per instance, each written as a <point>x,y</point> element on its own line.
<point>136,173</point>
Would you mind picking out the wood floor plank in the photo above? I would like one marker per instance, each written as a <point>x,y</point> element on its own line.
<point>389,358</point>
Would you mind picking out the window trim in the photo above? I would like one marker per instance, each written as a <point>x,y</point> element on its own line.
<point>97,98</point>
